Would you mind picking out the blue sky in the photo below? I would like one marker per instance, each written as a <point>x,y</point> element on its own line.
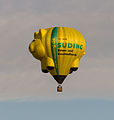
<point>81,109</point>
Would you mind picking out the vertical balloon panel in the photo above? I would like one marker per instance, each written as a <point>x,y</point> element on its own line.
<point>54,48</point>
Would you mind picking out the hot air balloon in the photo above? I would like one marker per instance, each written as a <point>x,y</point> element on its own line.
<point>59,49</point>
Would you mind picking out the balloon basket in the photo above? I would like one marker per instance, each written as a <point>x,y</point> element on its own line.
<point>59,88</point>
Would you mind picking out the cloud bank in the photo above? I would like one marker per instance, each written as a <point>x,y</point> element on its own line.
<point>20,73</point>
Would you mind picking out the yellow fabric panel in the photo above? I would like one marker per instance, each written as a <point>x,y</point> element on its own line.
<point>63,47</point>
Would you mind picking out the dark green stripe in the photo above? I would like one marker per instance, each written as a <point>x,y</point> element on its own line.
<point>54,48</point>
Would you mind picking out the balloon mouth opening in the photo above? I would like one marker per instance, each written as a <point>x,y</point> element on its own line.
<point>60,78</point>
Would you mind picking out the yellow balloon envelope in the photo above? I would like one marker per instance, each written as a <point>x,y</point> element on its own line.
<point>59,49</point>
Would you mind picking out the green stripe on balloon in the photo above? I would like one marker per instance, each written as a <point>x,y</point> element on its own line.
<point>54,48</point>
